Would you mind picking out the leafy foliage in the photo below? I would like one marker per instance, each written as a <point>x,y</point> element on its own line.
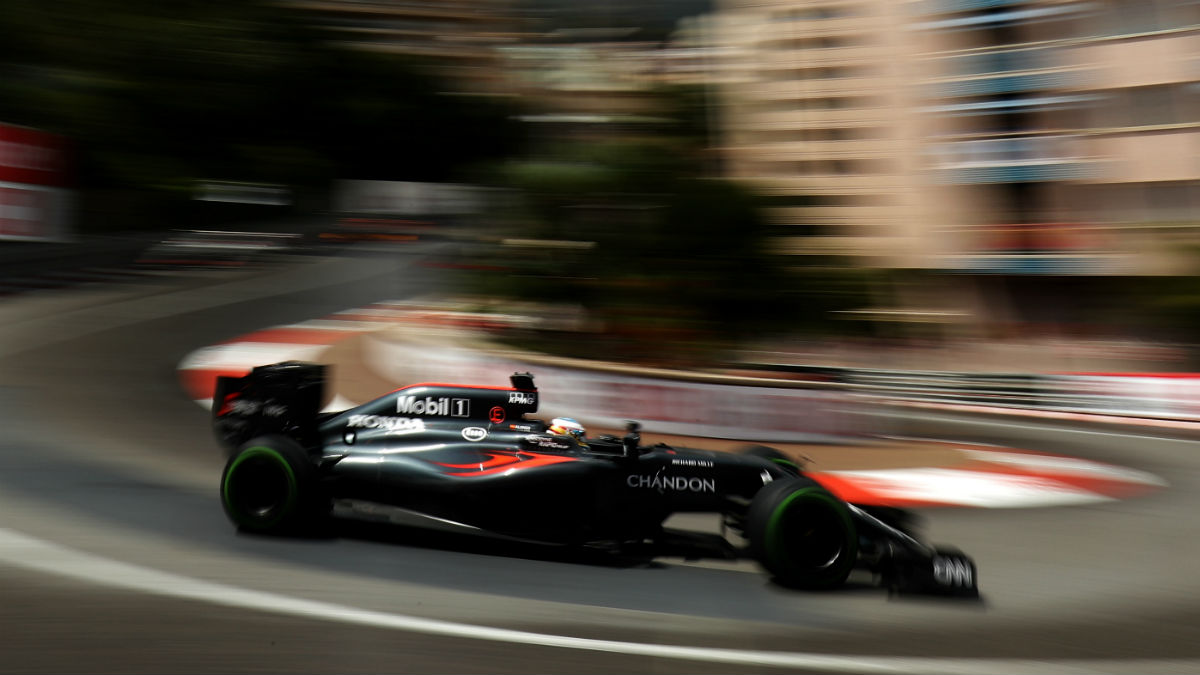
<point>154,96</point>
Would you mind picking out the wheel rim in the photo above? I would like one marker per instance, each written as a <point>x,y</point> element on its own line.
<point>812,538</point>
<point>806,537</point>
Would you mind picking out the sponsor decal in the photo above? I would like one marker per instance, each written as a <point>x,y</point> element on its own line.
<point>522,398</point>
<point>677,483</point>
<point>521,427</point>
<point>474,434</point>
<point>548,442</point>
<point>949,571</point>
<point>499,463</point>
<point>443,406</point>
<point>243,406</point>
<point>496,415</point>
<point>392,425</point>
<point>680,461</point>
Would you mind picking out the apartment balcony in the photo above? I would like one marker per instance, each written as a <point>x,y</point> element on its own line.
<point>1041,248</point>
<point>995,61</point>
<point>1016,12</point>
<point>834,215</point>
<point>1012,160</point>
<point>1023,104</point>
<point>802,89</point>
<point>795,151</point>
<point>929,7</point>
<point>813,118</point>
<point>841,246</point>
<point>1015,83</point>
<point>1039,263</point>
<point>790,59</point>
<point>785,33</point>
<point>1003,71</point>
<point>784,180</point>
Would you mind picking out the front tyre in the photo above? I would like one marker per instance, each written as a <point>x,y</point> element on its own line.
<point>772,455</point>
<point>270,486</point>
<point>803,535</point>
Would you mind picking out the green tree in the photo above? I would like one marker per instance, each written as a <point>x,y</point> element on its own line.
<point>673,265</point>
<point>154,96</point>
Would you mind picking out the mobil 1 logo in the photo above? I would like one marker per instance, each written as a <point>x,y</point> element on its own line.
<point>429,406</point>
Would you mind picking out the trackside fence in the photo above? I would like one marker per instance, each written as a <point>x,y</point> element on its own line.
<point>1173,396</point>
<point>789,403</point>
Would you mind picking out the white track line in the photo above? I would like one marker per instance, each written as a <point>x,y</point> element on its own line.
<point>27,552</point>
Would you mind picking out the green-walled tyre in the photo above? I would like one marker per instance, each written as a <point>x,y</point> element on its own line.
<point>772,455</point>
<point>270,486</point>
<point>802,534</point>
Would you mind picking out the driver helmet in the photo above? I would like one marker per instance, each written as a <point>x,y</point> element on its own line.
<point>567,426</point>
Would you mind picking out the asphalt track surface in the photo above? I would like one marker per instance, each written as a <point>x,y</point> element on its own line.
<point>115,555</point>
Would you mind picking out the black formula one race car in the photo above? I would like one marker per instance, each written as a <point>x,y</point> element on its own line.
<point>468,457</point>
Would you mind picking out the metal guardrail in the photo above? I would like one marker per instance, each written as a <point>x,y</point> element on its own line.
<point>20,258</point>
<point>1137,396</point>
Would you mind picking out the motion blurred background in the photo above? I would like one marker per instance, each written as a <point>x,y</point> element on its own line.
<point>928,184</point>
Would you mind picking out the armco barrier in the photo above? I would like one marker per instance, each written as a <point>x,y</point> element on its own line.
<point>18,259</point>
<point>1174,396</point>
<point>664,401</point>
<point>1169,396</point>
<point>776,410</point>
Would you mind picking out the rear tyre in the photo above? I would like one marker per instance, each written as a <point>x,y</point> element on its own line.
<point>803,535</point>
<point>270,486</point>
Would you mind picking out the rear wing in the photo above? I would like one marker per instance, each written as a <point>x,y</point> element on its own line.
<point>281,398</point>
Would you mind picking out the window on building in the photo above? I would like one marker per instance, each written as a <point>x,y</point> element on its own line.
<point>1134,16</point>
<point>1148,106</point>
<point>780,136</point>
<point>1003,31</point>
<point>1171,202</point>
<point>1183,12</point>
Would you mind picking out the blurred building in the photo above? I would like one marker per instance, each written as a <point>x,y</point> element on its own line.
<point>581,83</point>
<point>601,84</point>
<point>458,37</point>
<point>820,113</point>
<point>1061,137</point>
<point>991,136</point>
<point>573,80</point>
<point>1002,138</point>
<point>1017,141</point>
